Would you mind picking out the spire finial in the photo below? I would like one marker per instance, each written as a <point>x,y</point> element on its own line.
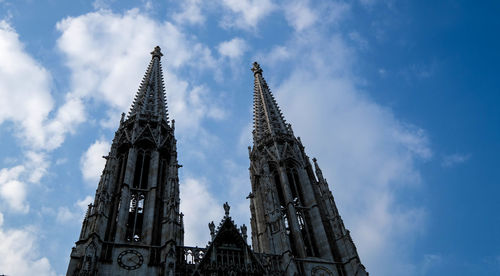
<point>256,68</point>
<point>157,52</point>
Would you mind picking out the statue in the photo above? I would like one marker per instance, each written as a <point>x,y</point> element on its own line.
<point>243,229</point>
<point>211,226</point>
<point>226,209</point>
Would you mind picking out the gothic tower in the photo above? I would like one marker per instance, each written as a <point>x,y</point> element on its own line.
<point>134,225</point>
<point>293,212</point>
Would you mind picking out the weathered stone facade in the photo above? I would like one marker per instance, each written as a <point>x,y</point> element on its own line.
<point>293,213</point>
<point>134,226</point>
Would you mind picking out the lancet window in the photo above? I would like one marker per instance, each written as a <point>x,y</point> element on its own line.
<point>141,170</point>
<point>135,217</point>
<point>306,231</point>
<point>283,205</point>
<point>120,175</point>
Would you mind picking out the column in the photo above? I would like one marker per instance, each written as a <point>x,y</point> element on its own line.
<point>149,204</point>
<point>320,237</point>
<point>292,213</point>
<point>121,226</point>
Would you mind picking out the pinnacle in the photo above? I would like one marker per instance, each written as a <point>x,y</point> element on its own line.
<point>157,52</point>
<point>256,68</point>
<point>150,99</point>
<point>268,118</point>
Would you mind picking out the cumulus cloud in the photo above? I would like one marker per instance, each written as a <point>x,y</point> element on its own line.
<point>190,13</point>
<point>92,161</point>
<point>246,14</point>
<point>26,99</point>
<point>233,48</point>
<point>201,207</point>
<point>74,214</point>
<point>14,181</point>
<point>12,190</point>
<point>92,38</point>
<point>37,165</point>
<point>20,254</point>
<point>190,104</point>
<point>27,102</point>
<point>299,14</point>
<point>24,89</point>
<point>366,152</point>
<point>102,4</point>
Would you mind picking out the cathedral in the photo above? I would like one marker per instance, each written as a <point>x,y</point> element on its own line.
<point>135,227</point>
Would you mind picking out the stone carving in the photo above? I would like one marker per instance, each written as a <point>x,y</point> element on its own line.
<point>211,226</point>
<point>243,229</point>
<point>226,209</point>
<point>137,202</point>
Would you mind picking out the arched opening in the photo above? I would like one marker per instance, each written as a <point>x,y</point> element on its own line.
<point>141,173</point>
<point>135,217</point>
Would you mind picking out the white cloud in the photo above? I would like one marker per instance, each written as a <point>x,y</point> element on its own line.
<point>452,160</point>
<point>74,215</point>
<point>200,207</point>
<point>92,161</point>
<point>299,14</point>
<point>24,89</point>
<point>84,203</point>
<point>26,102</point>
<point>246,14</point>
<point>189,105</point>
<point>102,4</point>
<point>190,13</point>
<point>37,165</point>
<point>366,153</point>
<point>64,215</point>
<point>237,179</point>
<point>12,190</point>
<point>68,117</point>
<point>277,54</point>
<point>20,254</point>
<point>90,39</point>
<point>14,180</point>
<point>233,48</point>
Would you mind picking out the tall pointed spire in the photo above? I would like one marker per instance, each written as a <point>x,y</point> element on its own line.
<point>267,116</point>
<point>293,213</point>
<point>150,99</point>
<point>135,221</point>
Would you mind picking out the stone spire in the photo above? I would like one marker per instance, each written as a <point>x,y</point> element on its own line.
<point>150,99</point>
<point>293,214</point>
<point>267,116</point>
<point>135,221</point>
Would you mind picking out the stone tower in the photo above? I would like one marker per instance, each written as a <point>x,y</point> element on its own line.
<point>293,212</point>
<point>134,225</point>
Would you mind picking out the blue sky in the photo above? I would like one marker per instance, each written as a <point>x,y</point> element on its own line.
<point>398,100</point>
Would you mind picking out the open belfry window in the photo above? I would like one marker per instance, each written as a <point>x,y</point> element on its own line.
<point>135,217</point>
<point>137,196</point>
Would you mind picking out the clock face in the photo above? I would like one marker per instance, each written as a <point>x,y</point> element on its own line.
<point>130,259</point>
